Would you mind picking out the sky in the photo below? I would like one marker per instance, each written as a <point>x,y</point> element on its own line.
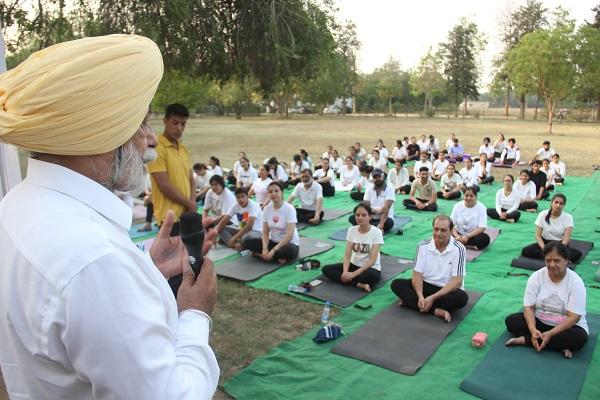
<point>405,29</point>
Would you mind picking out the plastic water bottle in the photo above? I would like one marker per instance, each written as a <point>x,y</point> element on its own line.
<point>244,253</point>
<point>297,289</point>
<point>326,311</point>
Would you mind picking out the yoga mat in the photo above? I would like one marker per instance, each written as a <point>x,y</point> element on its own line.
<point>399,222</point>
<point>401,339</point>
<point>533,265</point>
<point>344,295</point>
<point>520,372</point>
<point>493,234</point>
<point>249,268</point>
<point>329,215</point>
<point>134,234</point>
<point>519,164</point>
<point>215,254</point>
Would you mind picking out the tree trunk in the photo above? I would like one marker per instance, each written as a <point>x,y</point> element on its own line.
<point>238,110</point>
<point>353,104</point>
<point>598,111</point>
<point>506,102</point>
<point>465,107</point>
<point>522,112</point>
<point>343,106</point>
<point>537,104</point>
<point>456,105</point>
<point>550,107</point>
<point>390,106</point>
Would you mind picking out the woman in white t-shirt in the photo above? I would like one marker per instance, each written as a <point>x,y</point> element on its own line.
<point>399,179</point>
<point>507,203</point>
<point>526,191</point>
<point>362,264</point>
<point>451,184</point>
<point>484,170</point>
<point>214,165</point>
<point>217,203</point>
<point>280,240</point>
<point>398,152</point>
<point>553,225</point>
<point>260,186</point>
<point>363,182</point>
<point>376,161</point>
<point>499,146</point>
<point>439,166</point>
<point>349,175</point>
<point>470,221</point>
<point>553,314</point>
<point>559,169</point>
<point>278,173</point>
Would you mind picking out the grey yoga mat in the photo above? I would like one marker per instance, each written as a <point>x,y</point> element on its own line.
<point>493,234</point>
<point>248,268</point>
<point>344,295</point>
<point>401,339</point>
<point>519,164</point>
<point>520,373</point>
<point>533,264</point>
<point>399,222</point>
<point>329,215</point>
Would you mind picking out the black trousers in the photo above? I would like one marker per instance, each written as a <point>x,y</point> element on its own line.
<point>328,189</point>
<point>405,188</point>
<point>487,179</point>
<point>357,196</point>
<point>387,225</point>
<point>450,302</point>
<point>334,272</point>
<point>528,205</point>
<point>411,205</point>
<point>294,181</point>
<point>480,241</point>
<point>149,212</point>
<point>508,161</point>
<point>546,194</point>
<point>572,339</point>
<point>549,188</point>
<point>304,215</point>
<point>492,213</point>
<point>288,252</point>
<point>453,195</point>
<point>231,180</point>
<point>533,251</point>
<point>559,180</point>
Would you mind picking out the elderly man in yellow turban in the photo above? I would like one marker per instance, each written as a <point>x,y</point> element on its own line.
<point>83,312</point>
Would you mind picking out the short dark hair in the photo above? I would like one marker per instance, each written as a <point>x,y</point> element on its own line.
<point>546,142</point>
<point>538,162</point>
<point>560,248</point>
<point>470,189</point>
<point>297,157</point>
<point>444,217</point>
<point>176,109</point>
<point>215,159</point>
<point>423,169</point>
<point>364,205</point>
<point>199,165</point>
<point>276,183</point>
<point>512,139</point>
<point>267,167</point>
<point>241,190</point>
<point>218,179</point>
<point>306,171</point>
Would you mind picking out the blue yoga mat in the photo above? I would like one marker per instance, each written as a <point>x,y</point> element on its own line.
<point>399,222</point>
<point>134,234</point>
<point>520,372</point>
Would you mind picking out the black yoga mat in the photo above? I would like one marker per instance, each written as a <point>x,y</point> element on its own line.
<point>399,222</point>
<point>401,339</point>
<point>520,373</point>
<point>344,295</point>
<point>249,268</point>
<point>329,215</point>
<point>533,264</point>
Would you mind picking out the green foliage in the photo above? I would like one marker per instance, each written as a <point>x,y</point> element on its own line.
<point>587,57</point>
<point>428,80</point>
<point>596,22</point>
<point>178,87</point>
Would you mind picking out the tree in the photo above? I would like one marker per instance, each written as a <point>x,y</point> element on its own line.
<point>525,19</point>
<point>347,46</point>
<point>596,22</point>
<point>545,59</point>
<point>461,67</point>
<point>389,81</point>
<point>427,79</point>
<point>236,93</point>
<point>588,67</point>
<point>326,85</point>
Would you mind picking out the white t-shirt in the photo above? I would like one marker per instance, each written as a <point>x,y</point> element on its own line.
<point>450,183</point>
<point>549,176</point>
<point>555,230</point>
<point>545,154</point>
<point>449,143</point>
<point>511,153</point>
<point>308,197</point>
<point>553,300</point>
<point>399,153</point>
<point>247,177</point>
<point>361,245</point>
<point>469,176</point>
<point>297,169</point>
<point>261,189</point>
<point>510,203</point>
<point>218,204</point>
<point>280,174</point>
<point>236,167</point>
<point>526,191</point>
<point>384,153</point>
<point>481,171</point>
<point>419,164</point>
<point>320,173</point>
<point>488,150</point>
<point>337,164</point>
<point>350,175</point>
<point>378,201</point>
<point>439,167</point>
<point>202,181</point>
<point>398,179</point>
<point>381,163</point>
<point>439,268</point>
<point>243,214</point>
<point>467,219</point>
<point>423,144</point>
<point>277,221</point>
<point>216,170</point>
<point>559,169</point>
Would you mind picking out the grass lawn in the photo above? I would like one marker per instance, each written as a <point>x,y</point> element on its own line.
<point>249,321</point>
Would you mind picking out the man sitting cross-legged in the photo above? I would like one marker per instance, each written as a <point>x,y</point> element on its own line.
<point>437,282</point>
<point>426,201</point>
<point>249,218</point>
<point>380,197</point>
<point>310,194</point>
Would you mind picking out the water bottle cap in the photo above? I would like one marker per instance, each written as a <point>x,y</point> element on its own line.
<point>327,303</point>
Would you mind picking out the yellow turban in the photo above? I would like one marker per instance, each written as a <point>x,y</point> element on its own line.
<point>83,97</point>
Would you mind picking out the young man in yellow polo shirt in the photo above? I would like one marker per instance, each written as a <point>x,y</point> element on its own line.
<point>173,186</point>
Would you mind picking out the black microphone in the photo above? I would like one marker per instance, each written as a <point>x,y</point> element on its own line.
<point>192,236</point>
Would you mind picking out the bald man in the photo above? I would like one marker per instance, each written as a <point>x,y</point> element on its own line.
<point>84,313</point>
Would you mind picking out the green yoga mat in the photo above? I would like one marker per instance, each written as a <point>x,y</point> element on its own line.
<point>521,373</point>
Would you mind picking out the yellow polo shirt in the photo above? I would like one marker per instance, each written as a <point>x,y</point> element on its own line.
<point>176,163</point>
